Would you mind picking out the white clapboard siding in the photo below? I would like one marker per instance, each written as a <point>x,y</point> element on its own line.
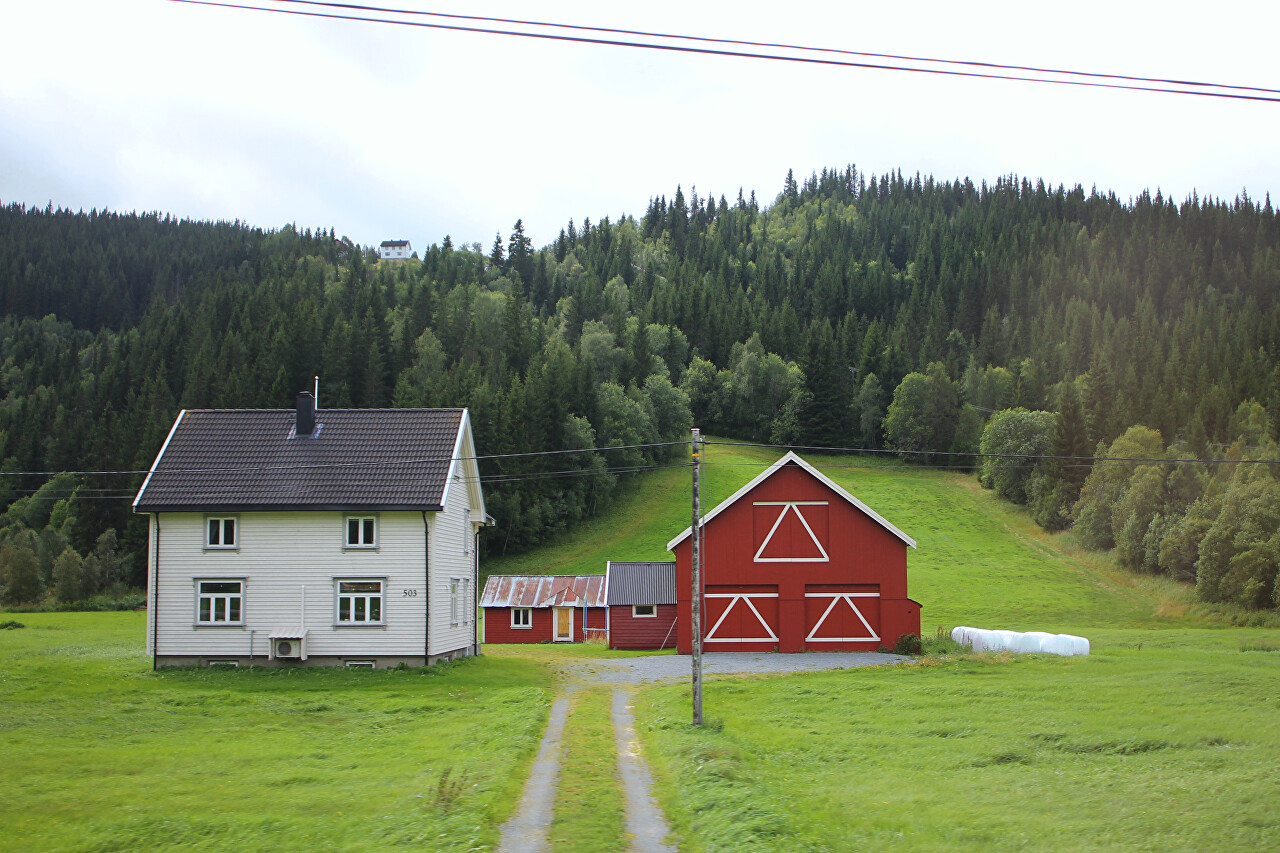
<point>279,554</point>
<point>452,556</point>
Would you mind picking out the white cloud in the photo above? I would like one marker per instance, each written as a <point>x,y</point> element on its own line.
<point>386,131</point>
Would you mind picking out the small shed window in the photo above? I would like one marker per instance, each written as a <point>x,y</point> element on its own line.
<point>521,617</point>
<point>641,611</point>
<point>221,533</point>
<point>362,531</point>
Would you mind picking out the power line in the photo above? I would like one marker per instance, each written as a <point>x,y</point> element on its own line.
<point>733,53</point>
<point>774,45</point>
<point>1084,460</point>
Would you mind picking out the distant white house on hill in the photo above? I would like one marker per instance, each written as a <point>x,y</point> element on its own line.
<point>334,537</point>
<point>392,250</point>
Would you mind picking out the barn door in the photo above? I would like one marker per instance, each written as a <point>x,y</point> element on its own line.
<point>740,618</point>
<point>842,618</point>
<point>564,624</point>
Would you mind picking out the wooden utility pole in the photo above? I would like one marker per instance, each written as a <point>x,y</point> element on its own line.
<point>695,554</point>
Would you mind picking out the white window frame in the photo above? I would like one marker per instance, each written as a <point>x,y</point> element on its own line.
<point>221,521</point>
<point>468,603</point>
<point>652,614</point>
<point>528,618</point>
<point>214,597</point>
<point>363,528</point>
<point>367,596</point>
<point>361,664</point>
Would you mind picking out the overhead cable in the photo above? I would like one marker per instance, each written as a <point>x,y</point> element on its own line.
<point>774,45</point>
<point>690,49</point>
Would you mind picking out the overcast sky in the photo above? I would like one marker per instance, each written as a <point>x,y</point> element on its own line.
<point>390,132</point>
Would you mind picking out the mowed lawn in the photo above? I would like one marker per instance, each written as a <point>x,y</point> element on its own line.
<point>1173,747</point>
<point>99,753</point>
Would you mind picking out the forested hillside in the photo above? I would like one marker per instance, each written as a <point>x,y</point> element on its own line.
<point>852,311</point>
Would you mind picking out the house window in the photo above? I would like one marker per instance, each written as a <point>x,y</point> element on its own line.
<point>362,531</point>
<point>641,611</point>
<point>219,602</point>
<point>221,533</point>
<point>521,617</point>
<point>360,602</point>
<point>455,587</point>
<point>359,664</point>
<point>468,603</point>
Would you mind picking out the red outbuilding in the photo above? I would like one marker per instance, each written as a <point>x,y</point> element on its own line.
<point>642,605</point>
<point>544,608</point>
<point>792,562</point>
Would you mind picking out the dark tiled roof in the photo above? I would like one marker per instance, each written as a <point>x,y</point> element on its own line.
<point>642,583</point>
<point>248,459</point>
<point>394,244</point>
<point>543,591</point>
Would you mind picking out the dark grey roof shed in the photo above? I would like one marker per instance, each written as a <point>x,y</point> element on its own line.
<point>250,459</point>
<point>642,583</point>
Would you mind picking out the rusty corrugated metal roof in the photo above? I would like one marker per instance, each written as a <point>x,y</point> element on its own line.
<point>543,591</point>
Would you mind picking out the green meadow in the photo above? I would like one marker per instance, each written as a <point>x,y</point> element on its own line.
<point>99,753</point>
<point>1167,737</point>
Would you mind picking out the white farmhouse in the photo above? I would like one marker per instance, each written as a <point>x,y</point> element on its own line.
<point>333,537</point>
<point>391,250</point>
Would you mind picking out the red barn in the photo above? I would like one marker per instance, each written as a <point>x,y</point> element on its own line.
<point>544,608</point>
<point>642,605</point>
<point>792,562</point>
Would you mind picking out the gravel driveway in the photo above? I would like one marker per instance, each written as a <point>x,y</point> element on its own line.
<point>664,667</point>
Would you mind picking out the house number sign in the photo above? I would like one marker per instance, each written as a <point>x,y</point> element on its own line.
<point>410,593</point>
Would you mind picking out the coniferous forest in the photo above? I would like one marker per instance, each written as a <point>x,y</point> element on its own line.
<point>1104,356</point>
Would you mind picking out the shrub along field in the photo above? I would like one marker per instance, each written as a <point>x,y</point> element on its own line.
<point>1166,737</point>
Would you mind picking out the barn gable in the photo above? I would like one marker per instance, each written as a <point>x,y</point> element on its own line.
<point>792,458</point>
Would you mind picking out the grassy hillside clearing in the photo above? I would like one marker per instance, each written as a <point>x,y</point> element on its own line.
<point>979,562</point>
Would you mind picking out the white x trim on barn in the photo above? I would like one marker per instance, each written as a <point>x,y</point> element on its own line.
<point>711,635</point>
<point>837,597</point>
<point>791,506</point>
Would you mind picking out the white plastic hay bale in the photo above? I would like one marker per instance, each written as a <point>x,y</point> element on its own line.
<point>982,640</point>
<point>1029,643</point>
<point>1006,641</point>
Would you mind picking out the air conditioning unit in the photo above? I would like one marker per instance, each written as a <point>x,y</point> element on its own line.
<point>288,644</point>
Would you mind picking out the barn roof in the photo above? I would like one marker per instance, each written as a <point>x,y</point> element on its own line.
<point>543,591</point>
<point>792,458</point>
<point>642,583</point>
<point>250,459</point>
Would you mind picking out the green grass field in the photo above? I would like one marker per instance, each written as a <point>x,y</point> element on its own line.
<point>1166,738</point>
<point>99,753</point>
